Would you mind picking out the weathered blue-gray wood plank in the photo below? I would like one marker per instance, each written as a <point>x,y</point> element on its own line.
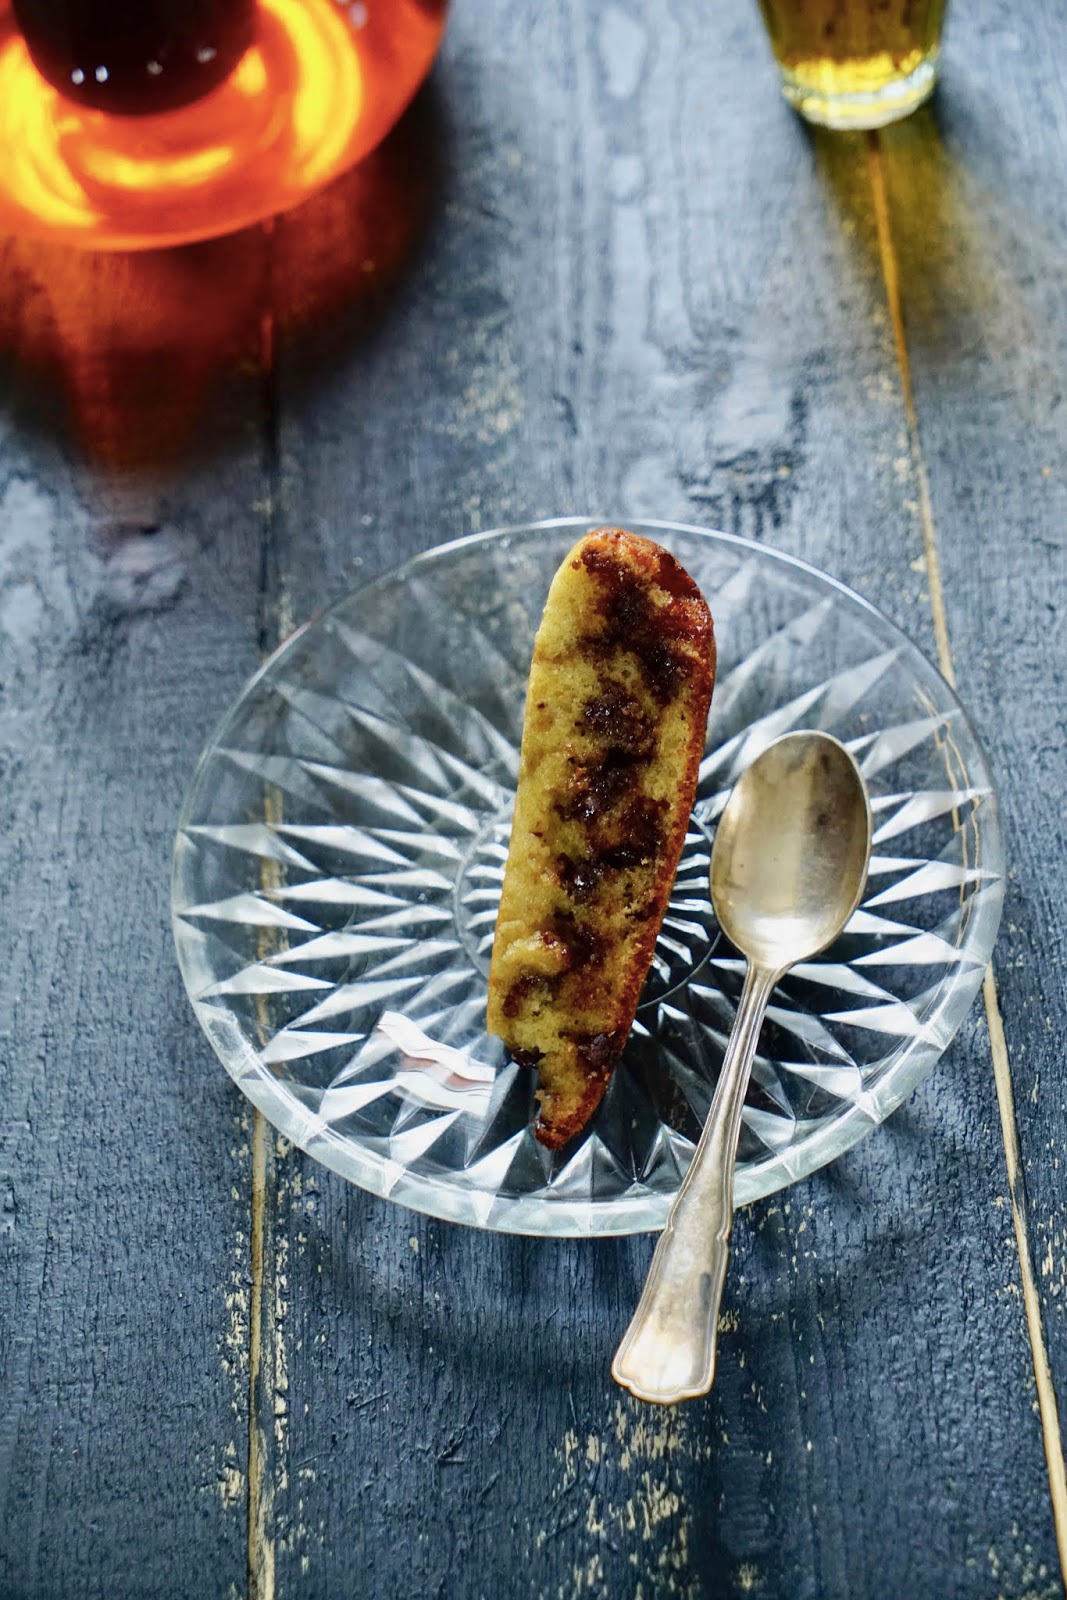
<point>650,293</point>
<point>611,275</point>
<point>126,609</point>
<point>979,232</point>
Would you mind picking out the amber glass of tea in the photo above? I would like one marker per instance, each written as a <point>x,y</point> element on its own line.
<point>855,63</point>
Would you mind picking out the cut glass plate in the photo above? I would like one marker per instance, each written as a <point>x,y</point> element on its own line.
<point>341,849</point>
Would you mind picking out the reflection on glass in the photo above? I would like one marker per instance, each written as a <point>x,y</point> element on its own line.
<point>318,86</point>
<point>855,63</point>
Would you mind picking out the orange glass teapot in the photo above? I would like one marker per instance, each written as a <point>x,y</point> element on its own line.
<point>127,124</point>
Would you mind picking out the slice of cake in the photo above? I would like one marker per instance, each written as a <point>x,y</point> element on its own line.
<point>616,708</point>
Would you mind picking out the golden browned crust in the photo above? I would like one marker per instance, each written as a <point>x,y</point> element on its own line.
<point>617,704</point>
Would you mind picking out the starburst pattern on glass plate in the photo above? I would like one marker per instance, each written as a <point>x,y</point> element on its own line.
<point>340,858</point>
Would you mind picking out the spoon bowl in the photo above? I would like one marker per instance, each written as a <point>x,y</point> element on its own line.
<point>790,855</point>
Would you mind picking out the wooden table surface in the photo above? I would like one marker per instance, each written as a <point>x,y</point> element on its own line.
<point>599,269</point>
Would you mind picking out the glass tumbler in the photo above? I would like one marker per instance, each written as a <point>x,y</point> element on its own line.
<point>855,63</point>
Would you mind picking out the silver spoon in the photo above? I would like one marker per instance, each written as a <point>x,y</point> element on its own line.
<point>787,871</point>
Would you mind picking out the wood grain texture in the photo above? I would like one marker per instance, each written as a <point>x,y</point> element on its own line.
<point>985,314</point>
<point>125,606</point>
<point>600,270</point>
<point>138,470</point>
<point>650,292</point>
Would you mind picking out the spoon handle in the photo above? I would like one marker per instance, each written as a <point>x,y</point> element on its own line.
<point>668,1351</point>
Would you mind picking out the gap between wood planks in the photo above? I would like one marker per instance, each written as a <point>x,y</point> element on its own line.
<point>274,622</point>
<point>260,1545</point>
<point>1046,1393</point>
